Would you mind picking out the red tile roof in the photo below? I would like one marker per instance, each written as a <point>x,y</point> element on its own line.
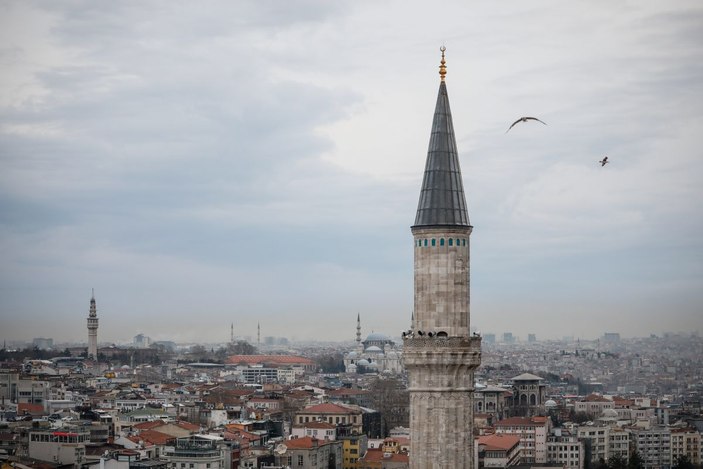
<point>347,392</point>
<point>521,421</point>
<point>499,442</point>
<point>188,426</point>
<point>595,398</point>
<point>269,359</point>
<point>377,454</point>
<point>305,443</point>
<point>327,408</point>
<point>317,425</point>
<point>32,409</point>
<point>154,437</point>
<point>149,425</point>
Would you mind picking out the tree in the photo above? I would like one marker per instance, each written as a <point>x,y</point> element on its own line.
<point>391,398</point>
<point>683,462</point>
<point>617,462</point>
<point>331,362</point>
<point>635,461</point>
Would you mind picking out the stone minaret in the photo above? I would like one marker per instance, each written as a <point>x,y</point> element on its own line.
<point>439,353</point>
<point>358,330</point>
<point>93,330</point>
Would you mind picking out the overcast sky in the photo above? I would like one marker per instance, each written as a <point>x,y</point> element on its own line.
<point>206,163</point>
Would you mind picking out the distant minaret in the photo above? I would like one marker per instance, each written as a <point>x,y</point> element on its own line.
<point>440,355</point>
<point>258,334</point>
<point>231,333</point>
<point>358,330</point>
<point>93,329</point>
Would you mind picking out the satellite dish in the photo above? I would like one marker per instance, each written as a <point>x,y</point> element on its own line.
<point>280,449</point>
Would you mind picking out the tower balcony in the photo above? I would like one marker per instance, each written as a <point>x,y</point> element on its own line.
<point>441,363</point>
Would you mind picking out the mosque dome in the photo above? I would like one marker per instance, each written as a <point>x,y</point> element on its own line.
<point>351,368</point>
<point>352,354</point>
<point>373,365</point>
<point>550,403</point>
<point>377,336</point>
<point>363,362</point>
<point>609,414</point>
<point>374,349</point>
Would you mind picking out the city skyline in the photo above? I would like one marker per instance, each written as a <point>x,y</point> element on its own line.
<point>255,163</point>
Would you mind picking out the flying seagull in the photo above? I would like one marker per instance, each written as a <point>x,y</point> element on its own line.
<point>604,161</point>
<point>523,119</point>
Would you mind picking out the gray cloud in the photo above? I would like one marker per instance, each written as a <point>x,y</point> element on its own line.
<point>261,162</point>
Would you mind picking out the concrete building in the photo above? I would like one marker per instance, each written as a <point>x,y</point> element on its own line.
<point>566,450</point>
<point>60,448</point>
<point>597,438</point>
<point>594,405</point>
<point>499,450</point>
<point>309,453</point>
<point>353,447</point>
<point>93,330</point>
<point>439,353</point>
<point>197,452</point>
<point>334,414</point>
<point>686,442</point>
<point>533,436</point>
<point>653,445</point>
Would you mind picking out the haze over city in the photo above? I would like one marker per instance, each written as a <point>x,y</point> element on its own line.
<point>260,162</point>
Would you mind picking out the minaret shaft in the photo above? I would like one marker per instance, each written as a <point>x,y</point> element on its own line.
<point>93,330</point>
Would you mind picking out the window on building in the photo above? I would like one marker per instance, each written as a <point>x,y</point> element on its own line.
<point>451,240</point>
<point>425,243</point>
<point>300,460</point>
<point>441,242</point>
<point>434,242</point>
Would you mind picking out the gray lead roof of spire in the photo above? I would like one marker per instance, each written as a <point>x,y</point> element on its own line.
<point>442,201</point>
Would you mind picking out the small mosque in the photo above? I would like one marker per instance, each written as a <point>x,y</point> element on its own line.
<point>376,354</point>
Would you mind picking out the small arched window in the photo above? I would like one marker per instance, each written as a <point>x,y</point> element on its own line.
<point>425,242</point>
<point>434,242</point>
<point>441,242</point>
<point>450,241</point>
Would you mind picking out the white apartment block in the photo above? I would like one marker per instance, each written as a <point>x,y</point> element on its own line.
<point>567,451</point>
<point>686,442</point>
<point>654,446</point>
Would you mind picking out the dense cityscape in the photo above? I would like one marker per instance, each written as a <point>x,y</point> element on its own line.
<point>268,402</point>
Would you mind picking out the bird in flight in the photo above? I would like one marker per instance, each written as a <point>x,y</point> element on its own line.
<point>524,119</point>
<point>604,161</point>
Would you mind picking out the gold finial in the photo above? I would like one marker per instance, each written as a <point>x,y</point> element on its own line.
<point>443,66</point>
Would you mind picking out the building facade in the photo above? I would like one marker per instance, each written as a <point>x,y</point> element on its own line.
<point>439,353</point>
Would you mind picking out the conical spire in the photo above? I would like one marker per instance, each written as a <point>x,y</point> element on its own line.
<point>442,201</point>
